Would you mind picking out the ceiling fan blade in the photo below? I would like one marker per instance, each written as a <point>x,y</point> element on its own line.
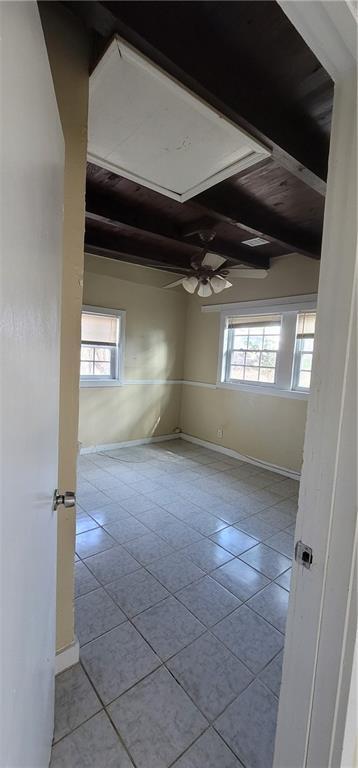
<point>246,272</point>
<point>173,285</point>
<point>213,260</point>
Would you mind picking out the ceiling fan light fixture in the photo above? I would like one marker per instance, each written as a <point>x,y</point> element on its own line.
<point>190,284</point>
<point>227,284</point>
<point>204,290</point>
<point>218,284</point>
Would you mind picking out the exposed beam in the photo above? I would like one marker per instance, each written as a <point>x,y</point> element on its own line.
<point>218,204</point>
<point>283,159</point>
<point>131,256</point>
<point>111,211</point>
<point>291,136</point>
<point>237,209</point>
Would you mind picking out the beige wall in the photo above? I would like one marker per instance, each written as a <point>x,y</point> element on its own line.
<point>154,351</point>
<point>168,337</point>
<point>68,55</point>
<point>261,426</point>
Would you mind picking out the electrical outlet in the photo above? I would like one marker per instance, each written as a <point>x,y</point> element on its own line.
<point>219,432</point>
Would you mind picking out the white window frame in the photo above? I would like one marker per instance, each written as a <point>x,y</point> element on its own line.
<point>289,308</point>
<point>297,361</point>
<point>228,348</point>
<point>117,380</point>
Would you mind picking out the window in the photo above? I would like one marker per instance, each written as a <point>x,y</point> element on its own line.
<point>252,348</point>
<point>272,351</point>
<point>306,322</point>
<point>101,343</point>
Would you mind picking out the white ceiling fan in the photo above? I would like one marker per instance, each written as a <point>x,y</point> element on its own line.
<point>210,275</point>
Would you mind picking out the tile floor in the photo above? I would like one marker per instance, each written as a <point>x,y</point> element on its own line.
<point>183,564</point>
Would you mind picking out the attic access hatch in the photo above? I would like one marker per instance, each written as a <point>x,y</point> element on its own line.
<point>147,127</point>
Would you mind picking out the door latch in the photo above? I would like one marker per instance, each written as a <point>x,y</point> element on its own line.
<point>303,554</point>
<point>68,499</point>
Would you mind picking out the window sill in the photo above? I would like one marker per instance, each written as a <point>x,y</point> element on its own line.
<point>99,383</point>
<point>255,389</point>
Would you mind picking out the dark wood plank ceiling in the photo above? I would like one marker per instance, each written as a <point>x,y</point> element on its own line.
<point>246,59</point>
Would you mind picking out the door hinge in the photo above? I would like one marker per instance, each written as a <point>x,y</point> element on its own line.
<point>303,554</point>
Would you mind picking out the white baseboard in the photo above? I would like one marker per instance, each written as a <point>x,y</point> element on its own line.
<point>129,443</point>
<point>204,443</point>
<point>67,657</point>
<point>236,455</point>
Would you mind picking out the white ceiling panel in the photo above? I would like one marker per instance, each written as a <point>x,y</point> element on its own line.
<point>147,127</point>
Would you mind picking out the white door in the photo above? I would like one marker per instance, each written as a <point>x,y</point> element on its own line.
<point>32,167</point>
<point>321,623</point>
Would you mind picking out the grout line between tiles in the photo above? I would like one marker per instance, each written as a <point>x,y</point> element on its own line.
<point>176,550</point>
<point>104,708</point>
<point>207,573</point>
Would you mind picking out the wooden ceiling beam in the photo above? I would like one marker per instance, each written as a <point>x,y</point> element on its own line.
<point>238,210</point>
<point>129,258</point>
<point>220,204</point>
<point>112,212</point>
<point>294,140</point>
<point>99,243</point>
